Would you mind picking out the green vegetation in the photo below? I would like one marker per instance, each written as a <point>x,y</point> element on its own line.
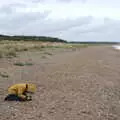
<point>31,38</point>
<point>23,64</point>
<point>19,64</point>
<point>4,74</point>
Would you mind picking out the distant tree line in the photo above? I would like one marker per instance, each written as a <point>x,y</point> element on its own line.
<point>47,39</point>
<point>31,38</point>
<point>94,42</point>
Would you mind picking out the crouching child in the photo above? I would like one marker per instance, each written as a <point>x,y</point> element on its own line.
<point>20,92</point>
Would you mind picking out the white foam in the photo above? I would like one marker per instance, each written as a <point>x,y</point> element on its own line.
<point>116,47</point>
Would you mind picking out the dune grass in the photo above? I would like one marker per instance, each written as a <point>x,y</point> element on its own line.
<point>11,48</point>
<point>23,63</point>
<point>4,75</point>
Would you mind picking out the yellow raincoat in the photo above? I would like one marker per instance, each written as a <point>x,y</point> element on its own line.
<point>21,89</point>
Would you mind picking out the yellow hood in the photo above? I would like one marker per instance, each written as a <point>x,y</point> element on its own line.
<point>31,88</point>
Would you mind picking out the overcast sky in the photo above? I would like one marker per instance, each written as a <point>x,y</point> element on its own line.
<point>72,20</point>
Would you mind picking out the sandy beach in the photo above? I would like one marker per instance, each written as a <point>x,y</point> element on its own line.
<point>81,84</point>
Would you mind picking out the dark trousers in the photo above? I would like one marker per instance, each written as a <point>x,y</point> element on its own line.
<point>12,97</point>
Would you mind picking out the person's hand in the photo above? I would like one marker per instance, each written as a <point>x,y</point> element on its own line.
<point>29,98</point>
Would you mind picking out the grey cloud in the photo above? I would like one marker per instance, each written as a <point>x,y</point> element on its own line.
<point>108,31</point>
<point>67,24</point>
<point>20,20</point>
<point>108,26</point>
<point>38,1</point>
<point>11,8</point>
<point>72,30</point>
<point>50,26</point>
<point>12,20</point>
<point>67,1</point>
<point>80,29</point>
<point>84,1</point>
<point>6,9</point>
